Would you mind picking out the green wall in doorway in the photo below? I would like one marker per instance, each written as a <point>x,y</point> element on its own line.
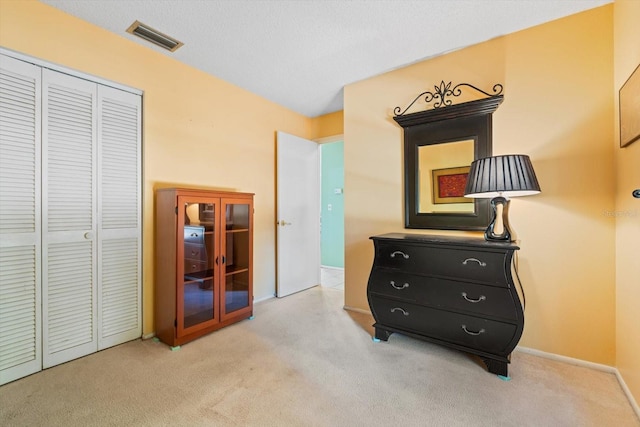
<point>332,202</point>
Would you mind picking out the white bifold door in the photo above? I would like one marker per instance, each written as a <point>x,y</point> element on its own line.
<point>20,225</point>
<point>70,217</point>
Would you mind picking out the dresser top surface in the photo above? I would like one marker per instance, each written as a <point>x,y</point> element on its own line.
<point>448,240</point>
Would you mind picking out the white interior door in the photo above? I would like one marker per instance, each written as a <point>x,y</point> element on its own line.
<point>298,216</point>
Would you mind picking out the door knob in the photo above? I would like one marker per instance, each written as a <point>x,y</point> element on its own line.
<point>283,223</point>
<point>88,235</point>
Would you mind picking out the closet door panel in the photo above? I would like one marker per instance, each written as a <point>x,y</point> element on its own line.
<point>70,314</point>
<point>20,248</point>
<point>119,207</point>
<point>120,293</point>
<point>69,217</point>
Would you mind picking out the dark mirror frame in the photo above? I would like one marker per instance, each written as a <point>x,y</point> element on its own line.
<point>469,120</point>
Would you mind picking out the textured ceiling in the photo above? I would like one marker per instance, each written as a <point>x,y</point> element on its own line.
<point>300,54</point>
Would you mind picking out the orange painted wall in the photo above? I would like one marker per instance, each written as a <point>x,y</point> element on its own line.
<point>197,130</point>
<point>327,125</point>
<point>558,109</point>
<point>627,209</point>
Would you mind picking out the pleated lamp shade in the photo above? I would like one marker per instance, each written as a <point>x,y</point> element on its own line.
<point>508,176</point>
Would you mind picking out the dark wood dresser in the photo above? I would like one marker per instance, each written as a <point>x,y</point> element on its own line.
<point>454,291</point>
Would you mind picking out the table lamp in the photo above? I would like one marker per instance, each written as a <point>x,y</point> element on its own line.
<point>498,178</point>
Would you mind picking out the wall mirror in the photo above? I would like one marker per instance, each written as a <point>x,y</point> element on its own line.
<point>439,146</point>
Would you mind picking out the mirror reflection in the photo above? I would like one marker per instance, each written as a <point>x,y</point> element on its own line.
<point>442,175</point>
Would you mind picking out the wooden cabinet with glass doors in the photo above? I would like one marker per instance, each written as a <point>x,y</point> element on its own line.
<point>203,262</point>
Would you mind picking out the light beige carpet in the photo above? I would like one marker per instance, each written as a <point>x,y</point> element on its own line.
<point>304,361</point>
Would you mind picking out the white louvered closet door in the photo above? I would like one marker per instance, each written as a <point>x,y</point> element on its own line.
<point>69,220</point>
<point>20,250</point>
<point>70,217</point>
<point>119,217</point>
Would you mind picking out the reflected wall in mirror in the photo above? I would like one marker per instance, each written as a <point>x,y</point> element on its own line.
<point>439,145</point>
<point>443,170</point>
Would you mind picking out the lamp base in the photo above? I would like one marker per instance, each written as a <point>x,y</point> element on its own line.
<point>498,229</point>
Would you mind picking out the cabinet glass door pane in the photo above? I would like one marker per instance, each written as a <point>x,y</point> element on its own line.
<point>236,282</point>
<point>199,263</point>
<point>236,291</point>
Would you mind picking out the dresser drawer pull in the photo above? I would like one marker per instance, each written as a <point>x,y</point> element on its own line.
<point>393,255</point>
<point>482,298</point>
<point>194,234</point>
<point>393,310</point>
<point>464,327</point>
<point>482,264</point>
<point>406,285</point>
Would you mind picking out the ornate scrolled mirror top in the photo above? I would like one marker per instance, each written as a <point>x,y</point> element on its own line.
<point>439,145</point>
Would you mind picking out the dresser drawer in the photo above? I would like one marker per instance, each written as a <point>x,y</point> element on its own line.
<point>195,252</point>
<point>477,265</point>
<point>465,330</point>
<point>486,301</point>
<point>194,234</point>
<point>194,266</point>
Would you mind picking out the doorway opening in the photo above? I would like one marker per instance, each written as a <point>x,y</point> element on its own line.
<point>332,214</point>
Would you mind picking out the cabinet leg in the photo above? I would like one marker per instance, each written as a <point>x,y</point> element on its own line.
<point>497,367</point>
<point>176,348</point>
<point>381,335</point>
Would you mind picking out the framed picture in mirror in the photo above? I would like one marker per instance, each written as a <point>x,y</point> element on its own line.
<point>448,185</point>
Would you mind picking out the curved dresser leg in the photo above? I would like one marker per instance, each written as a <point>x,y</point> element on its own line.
<point>497,367</point>
<point>381,335</point>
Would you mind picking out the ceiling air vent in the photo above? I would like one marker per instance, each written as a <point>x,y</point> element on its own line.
<point>156,37</point>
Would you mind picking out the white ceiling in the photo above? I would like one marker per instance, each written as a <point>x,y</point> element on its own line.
<point>301,53</point>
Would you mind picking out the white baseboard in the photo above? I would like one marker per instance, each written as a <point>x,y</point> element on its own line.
<point>633,402</point>
<point>587,364</point>
<point>357,310</point>
<point>268,297</point>
<point>148,336</point>
<point>569,360</point>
